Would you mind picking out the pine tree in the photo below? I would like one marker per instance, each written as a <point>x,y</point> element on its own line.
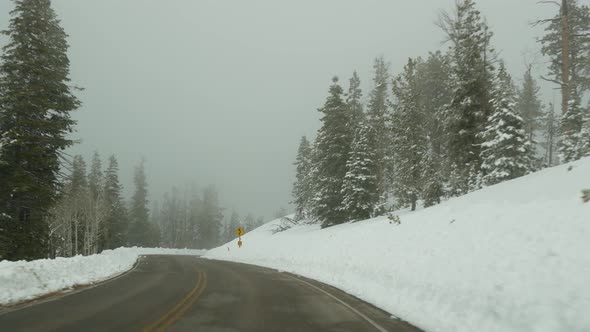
<point>95,177</point>
<point>528,105</point>
<point>550,135</point>
<point>98,209</point>
<point>433,182</point>
<point>584,142</point>
<point>35,105</point>
<point>117,223</point>
<point>571,144</point>
<point>353,100</point>
<point>330,156</point>
<point>567,33</point>
<point>141,232</point>
<point>249,223</point>
<point>302,188</point>
<point>210,218</point>
<point>379,119</point>
<point>469,109</point>
<point>409,137</point>
<point>171,219</point>
<point>194,207</point>
<point>506,149</point>
<point>434,87</point>
<point>361,199</point>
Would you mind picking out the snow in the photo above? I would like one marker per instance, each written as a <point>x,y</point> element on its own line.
<point>510,257</point>
<point>22,280</point>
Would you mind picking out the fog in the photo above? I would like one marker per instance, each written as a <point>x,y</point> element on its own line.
<point>219,92</point>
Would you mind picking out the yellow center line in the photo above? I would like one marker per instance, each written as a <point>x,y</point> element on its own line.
<point>183,310</point>
<point>173,310</point>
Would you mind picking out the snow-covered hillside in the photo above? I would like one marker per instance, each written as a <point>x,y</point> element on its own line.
<point>20,281</point>
<point>512,257</point>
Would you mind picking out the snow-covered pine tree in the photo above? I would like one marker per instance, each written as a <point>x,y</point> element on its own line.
<point>433,189</point>
<point>528,105</point>
<point>35,105</point>
<point>584,142</point>
<point>435,87</point>
<point>567,32</point>
<point>379,119</point>
<point>506,150</point>
<point>303,187</point>
<point>571,131</point>
<point>330,156</point>
<point>466,114</point>
<point>361,199</point>
<point>409,137</point>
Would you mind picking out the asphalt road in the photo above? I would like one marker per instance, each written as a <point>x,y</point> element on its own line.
<point>186,293</point>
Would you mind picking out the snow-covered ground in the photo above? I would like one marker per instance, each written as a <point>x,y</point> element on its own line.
<point>20,281</point>
<point>512,257</point>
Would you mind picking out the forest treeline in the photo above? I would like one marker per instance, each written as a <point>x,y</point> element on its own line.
<point>54,205</point>
<point>91,214</point>
<point>448,123</point>
<point>444,125</point>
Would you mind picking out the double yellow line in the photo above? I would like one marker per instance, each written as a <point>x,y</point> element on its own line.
<point>175,313</point>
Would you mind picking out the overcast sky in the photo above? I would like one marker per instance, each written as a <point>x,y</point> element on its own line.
<point>220,92</point>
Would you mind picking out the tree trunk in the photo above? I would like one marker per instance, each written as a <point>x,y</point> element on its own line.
<point>565,57</point>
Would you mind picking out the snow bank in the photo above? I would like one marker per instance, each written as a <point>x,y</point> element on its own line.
<point>21,281</point>
<point>512,257</point>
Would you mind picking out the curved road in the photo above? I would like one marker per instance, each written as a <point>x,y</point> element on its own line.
<point>186,293</point>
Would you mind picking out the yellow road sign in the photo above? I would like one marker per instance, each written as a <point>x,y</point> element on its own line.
<point>240,231</point>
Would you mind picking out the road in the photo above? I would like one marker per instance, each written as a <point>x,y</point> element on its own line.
<point>187,293</point>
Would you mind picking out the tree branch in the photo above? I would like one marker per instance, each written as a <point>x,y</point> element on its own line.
<point>551,80</point>
<point>550,2</point>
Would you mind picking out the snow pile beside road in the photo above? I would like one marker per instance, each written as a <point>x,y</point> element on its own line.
<point>21,281</point>
<point>511,257</point>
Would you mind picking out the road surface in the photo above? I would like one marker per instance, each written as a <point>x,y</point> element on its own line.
<point>187,293</point>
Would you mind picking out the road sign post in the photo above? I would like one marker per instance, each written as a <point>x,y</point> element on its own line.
<point>239,232</point>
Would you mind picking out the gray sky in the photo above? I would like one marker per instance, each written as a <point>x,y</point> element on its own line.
<point>219,92</point>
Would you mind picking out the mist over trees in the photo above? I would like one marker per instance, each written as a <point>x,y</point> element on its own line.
<point>91,215</point>
<point>52,204</point>
<point>448,124</point>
